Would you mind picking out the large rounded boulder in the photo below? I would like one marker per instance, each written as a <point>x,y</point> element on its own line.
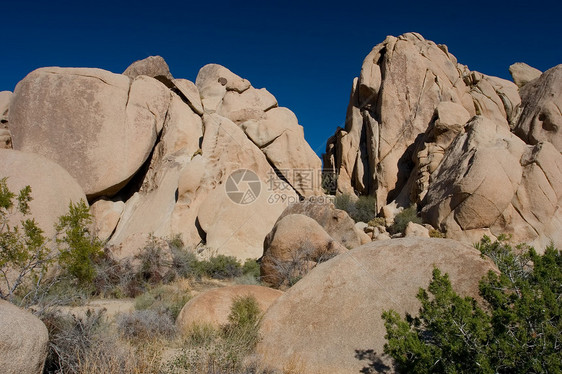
<point>52,188</point>
<point>324,322</point>
<point>99,126</point>
<point>24,341</point>
<point>213,307</point>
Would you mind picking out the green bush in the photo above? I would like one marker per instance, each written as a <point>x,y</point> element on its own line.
<point>519,331</point>
<point>79,249</point>
<point>24,252</point>
<point>402,219</point>
<point>363,209</point>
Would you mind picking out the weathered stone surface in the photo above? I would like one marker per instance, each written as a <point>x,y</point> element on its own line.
<point>86,120</point>
<point>250,104</point>
<point>52,187</point>
<point>328,317</point>
<point>488,183</point>
<point>191,94</point>
<point>415,229</point>
<point>213,307</point>
<point>232,228</point>
<point>295,245</point>
<point>523,73</point>
<point>337,223</point>
<point>5,136</point>
<point>280,137</point>
<point>541,119</point>
<point>152,66</point>
<point>106,214</point>
<point>213,81</point>
<point>151,209</point>
<point>403,82</point>
<point>24,341</point>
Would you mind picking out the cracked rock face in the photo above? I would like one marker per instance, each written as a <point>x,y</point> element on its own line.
<point>99,126</point>
<point>422,128</point>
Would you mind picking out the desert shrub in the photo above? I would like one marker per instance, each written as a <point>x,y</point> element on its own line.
<point>288,272</point>
<point>344,202</point>
<point>433,233</point>
<point>146,324</point>
<point>85,345</point>
<point>221,267</point>
<point>362,209</point>
<point>251,268</point>
<point>24,253</point>
<point>79,249</point>
<point>164,299</point>
<point>377,221</point>
<point>222,350</point>
<point>402,219</point>
<point>519,331</point>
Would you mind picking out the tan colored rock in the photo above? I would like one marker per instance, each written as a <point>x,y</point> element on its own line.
<point>24,341</point>
<point>540,118</point>
<point>523,73</point>
<point>5,98</point>
<point>151,209</point>
<point>416,230</point>
<point>213,81</point>
<point>322,322</point>
<point>403,82</point>
<point>52,187</point>
<point>337,223</point>
<point>191,94</point>
<point>213,307</point>
<point>233,228</point>
<point>106,214</point>
<point>152,66</point>
<point>464,199</point>
<point>86,120</point>
<point>281,139</point>
<point>250,104</point>
<point>295,245</point>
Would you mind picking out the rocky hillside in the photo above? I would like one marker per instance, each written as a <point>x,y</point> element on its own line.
<point>477,154</point>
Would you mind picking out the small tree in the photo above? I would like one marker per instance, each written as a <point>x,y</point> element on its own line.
<point>24,254</point>
<point>519,332</point>
<point>79,249</point>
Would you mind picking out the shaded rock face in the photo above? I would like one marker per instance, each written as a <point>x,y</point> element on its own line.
<point>324,322</point>
<point>213,307</point>
<point>413,107</point>
<point>5,136</point>
<point>295,245</point>
<point>541,116</point>
<point>152,66</point>
<point>24,341</point>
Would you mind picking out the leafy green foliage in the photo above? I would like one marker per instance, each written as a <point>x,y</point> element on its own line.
<point>79,249</point>
<point>24,254</point>
<point>519,332</point>
<point>363,209</point>
<point>402,219</point>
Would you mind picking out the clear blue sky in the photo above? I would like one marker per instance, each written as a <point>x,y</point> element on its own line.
<point>304,54</point>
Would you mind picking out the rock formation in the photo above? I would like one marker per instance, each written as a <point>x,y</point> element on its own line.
<point>410,115</point>
<point>324,322</point>
<point>24,341</point>
<point>164,156</point>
